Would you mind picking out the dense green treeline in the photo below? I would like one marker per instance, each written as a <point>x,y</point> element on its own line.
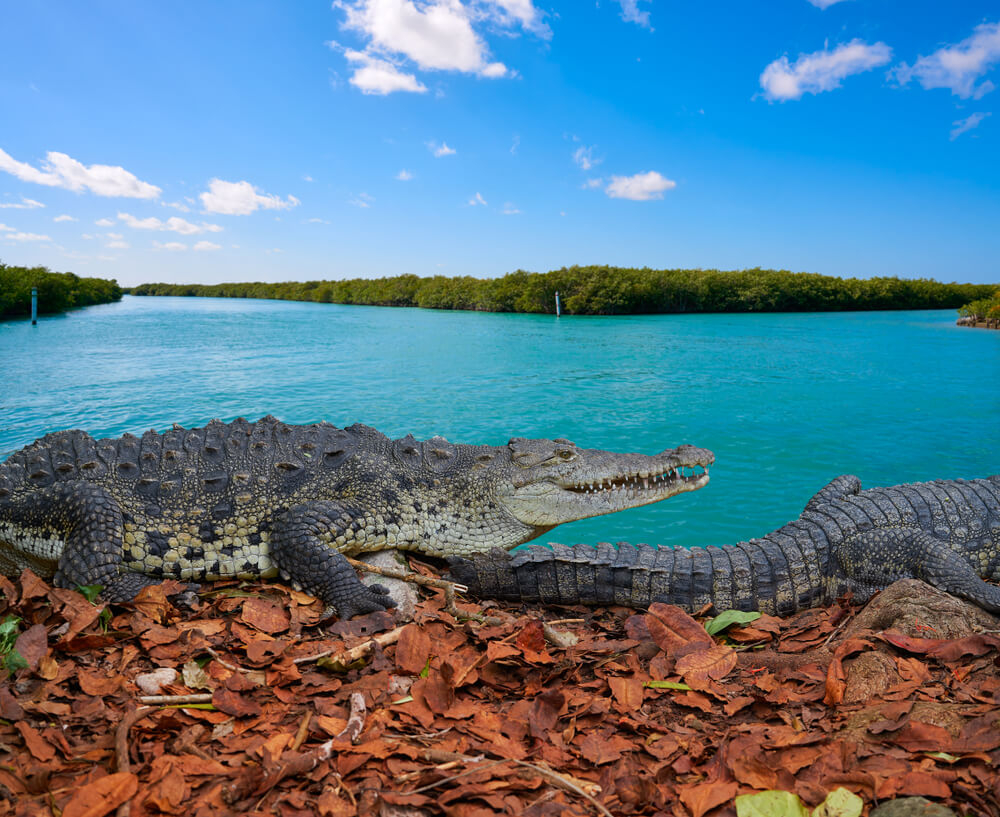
<point>57,291</point>
<point>598,290</point>
<point>983,309</point>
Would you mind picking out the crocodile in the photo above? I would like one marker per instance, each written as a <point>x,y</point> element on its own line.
<point>847,540</point>
<point>264,499</point>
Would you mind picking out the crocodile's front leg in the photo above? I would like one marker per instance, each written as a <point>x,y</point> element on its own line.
<point>874,559</point>
<point>302,546</point>
<point>77,526</point>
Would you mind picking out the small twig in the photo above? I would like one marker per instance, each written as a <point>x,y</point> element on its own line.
<point>566,621</point>
<point>121,749</point>
<point>414,578</point>
<point>356,720</point>
<point>303,731</point>
<point>348,657</point>
<point>563,781</point>
<point>226,664</point>
<point>168,700</point>
<point>259,781</point>
<point>444,780</point>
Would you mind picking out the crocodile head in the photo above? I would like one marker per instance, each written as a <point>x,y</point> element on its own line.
<point>554,481</point>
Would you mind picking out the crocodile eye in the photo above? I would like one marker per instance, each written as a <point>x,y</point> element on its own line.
<point>565,453</point>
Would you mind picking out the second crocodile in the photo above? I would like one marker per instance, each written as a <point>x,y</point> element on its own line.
<point>946,533</point>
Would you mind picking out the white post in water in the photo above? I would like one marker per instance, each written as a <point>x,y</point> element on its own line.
<point>558,308</point>
<point>34,306</point>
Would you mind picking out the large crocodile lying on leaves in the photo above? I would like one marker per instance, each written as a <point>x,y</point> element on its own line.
<point>261,499</point>
<point>946,533</point>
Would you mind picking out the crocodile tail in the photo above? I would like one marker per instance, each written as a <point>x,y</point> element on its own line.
<point>757,575</point>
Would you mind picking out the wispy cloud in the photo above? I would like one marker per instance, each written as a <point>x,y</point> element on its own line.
<point>584,157</point>
<point>510,210</point>
<point>317,221</point>
<point>969,123</point>
<point>379,76</point>
<point>241,199</point>
<point>9,234</point>
<point>477,200</point>
<point>958,67</point>
<point>640,187</point>
<point>363,200</point>
<point>631,13</point>
<point>174,224</point>
<point>821,70</point>
<point>64,217</point>
<point>105,222</point>
<point>404,175</point>
<point>825,4</point>
<point>24,204</point>
<point>441,149</point>
<point>170,246</point>
<point>60,170</point>
<point>206,246</point>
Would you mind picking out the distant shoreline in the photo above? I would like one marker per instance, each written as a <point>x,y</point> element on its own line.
<point>602,290</point>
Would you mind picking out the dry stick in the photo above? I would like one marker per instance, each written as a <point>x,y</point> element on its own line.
<point>563,781</point>
<point>416,578</point>
<point>226,664</point>
<point>356,720</point>
<point>302,732</point>
<point>259,782</point>
<point>169,700</point>
<point>121,749</point>
<point>350,656</point>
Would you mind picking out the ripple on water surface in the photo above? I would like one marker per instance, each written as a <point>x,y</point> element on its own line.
<point>787,402</point>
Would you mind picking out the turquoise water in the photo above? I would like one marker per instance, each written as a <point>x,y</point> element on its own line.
<point>787,402</point>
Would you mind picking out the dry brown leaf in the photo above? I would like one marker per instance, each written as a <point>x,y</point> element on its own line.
<point>703,797</point>
<point>265,615</point>
<point>413,650</point>
<point>39,747</point>
<point>102,796</point>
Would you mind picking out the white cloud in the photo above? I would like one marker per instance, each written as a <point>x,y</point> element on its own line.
<point>436,35</point>
<point>4,227</point>
<point>177,205</point>
<point>969,123</point>
<point>60,170</point>
<point>591,184</point>
<point>308,179</point>
<point>24,204</point>
<point>821,70</point>
<point>957,67</point>
<point>170,246</point>
<point>64,217</point>
<point>440,150</point>
<point>105,222</point>
<point>404,175</point>
<point>640,187</point>
<point>477,200</point>
<point>584,157</point>
<point>174,224</point>
<point>507,12</point>
<point>117,245</point>
<point>363,200</point>
<point>117,236</point>
<point>515,144</point>
<point>241,199</point>
<point>510,210</point>
<point>632,14</point>
<point>206,246</point>
<point>381,77</point>
<point>317,221</point>
<point>825,4</point>
<point>18,236</point>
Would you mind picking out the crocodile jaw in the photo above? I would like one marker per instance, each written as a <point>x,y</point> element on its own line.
<point>602,482</point>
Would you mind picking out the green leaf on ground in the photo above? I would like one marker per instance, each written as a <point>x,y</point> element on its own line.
<point>840,803</point>
<point>770,804</point>
<point>89,591</point>
<point>727,618</point>
<point>667,685</point>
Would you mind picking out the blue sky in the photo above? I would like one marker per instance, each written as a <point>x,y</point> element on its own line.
<point>221,141</point>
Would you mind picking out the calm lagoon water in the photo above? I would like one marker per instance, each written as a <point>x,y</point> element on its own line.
<point>787,402</point>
